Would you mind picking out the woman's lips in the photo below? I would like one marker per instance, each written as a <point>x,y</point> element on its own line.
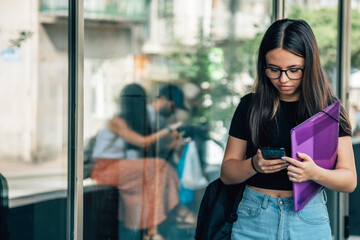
<point>285,88</point>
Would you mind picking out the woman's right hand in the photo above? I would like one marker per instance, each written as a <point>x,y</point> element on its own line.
<point>175,126</point>
<point>268,166</point>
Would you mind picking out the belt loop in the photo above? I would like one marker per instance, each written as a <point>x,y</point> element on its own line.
<point>265,202</point>
<point>325,195</point>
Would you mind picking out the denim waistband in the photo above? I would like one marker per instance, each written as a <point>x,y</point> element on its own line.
<point>266,200</point>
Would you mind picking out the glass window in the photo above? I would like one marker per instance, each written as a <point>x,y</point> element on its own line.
<point>206,51</point>
<point>355,69</point>
<point>322,17</point>
<point>33,152</point>
<point>162,79</point>
<point>354,104</point>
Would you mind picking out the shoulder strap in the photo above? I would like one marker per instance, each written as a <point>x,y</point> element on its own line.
<point>233,215</point>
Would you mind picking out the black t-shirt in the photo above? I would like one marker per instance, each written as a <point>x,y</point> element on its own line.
<point>279,136</point>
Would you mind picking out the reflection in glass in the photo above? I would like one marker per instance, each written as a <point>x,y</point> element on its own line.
<point>207,48</point>
<point>33,139</point>
<point>355,70</point>
<point>322,17</point>
<point>125,153</point>
<point>354,105</point>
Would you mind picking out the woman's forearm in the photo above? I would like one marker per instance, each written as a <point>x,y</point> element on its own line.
<point>341,180</point>
<point>119,126</point>
<point>155,136</point>
<point>236,171</point>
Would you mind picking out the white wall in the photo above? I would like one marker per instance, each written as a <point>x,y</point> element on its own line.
<point>18,81</point>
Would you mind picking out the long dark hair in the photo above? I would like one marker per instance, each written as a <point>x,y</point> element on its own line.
<point>132,104</point>
<point>296,37</point>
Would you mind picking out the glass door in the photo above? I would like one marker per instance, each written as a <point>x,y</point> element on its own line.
<point>205,50</point>
<point>33,125</point>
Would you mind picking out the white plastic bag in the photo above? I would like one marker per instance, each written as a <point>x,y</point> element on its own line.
<point>193,177</point>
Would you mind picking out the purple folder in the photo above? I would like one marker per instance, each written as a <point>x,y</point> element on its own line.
<point>318,138</point>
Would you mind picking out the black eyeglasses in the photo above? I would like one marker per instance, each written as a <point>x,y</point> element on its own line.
<point>291,73</point>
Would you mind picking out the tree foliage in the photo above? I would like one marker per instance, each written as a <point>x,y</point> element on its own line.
<point>325,26</point>
<point>23,36</point>
<point>355,37</point>
<point>240,56</point>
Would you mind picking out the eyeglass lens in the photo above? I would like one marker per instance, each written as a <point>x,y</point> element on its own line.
<point>292,73</point>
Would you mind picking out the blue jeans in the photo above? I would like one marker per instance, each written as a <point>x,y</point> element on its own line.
<point>261,216</point>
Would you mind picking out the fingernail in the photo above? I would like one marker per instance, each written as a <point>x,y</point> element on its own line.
<point>283,158</point>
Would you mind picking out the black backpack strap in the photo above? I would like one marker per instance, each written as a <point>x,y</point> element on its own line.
<point>218,210</point>
<point>207,203</point>
<point>233,215</point>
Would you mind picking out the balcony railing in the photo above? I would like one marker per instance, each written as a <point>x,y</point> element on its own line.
<point>100,9</point>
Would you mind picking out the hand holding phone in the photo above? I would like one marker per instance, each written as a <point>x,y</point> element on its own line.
<point>272,153</point>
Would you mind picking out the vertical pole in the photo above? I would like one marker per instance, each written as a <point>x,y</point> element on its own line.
<point>278,10</point>
<point>343,80</point>
<point>344,51</point>
<point>75,121</point>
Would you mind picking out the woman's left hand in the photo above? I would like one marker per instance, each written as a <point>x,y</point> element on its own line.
<point>301,171</point>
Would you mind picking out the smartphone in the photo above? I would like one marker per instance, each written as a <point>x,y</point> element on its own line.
<point>272,153</point>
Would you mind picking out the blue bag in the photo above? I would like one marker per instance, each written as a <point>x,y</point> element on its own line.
<point>186,195</point>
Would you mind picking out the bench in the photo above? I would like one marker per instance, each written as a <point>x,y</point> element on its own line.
<point>43,216</point>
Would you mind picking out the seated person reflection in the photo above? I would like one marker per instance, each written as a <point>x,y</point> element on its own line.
<point>160,112</point>
<point>148,185</point>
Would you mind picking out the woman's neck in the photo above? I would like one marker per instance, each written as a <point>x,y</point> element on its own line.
<point>289,98</point>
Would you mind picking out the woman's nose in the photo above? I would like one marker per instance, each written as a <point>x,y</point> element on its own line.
<point>283,77</point>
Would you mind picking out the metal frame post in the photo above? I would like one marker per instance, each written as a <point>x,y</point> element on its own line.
<point>278,9</point>
<point>75,120</point>
<point>343,78</point>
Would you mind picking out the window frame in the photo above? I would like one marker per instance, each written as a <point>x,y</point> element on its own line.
<point>74,221</point>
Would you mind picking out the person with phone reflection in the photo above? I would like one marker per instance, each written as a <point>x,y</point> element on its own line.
<point>291,87</point>
<point>148,186</point>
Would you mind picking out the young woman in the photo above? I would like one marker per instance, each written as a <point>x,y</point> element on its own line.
<point>291,87</point>
<point>148,186</point>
